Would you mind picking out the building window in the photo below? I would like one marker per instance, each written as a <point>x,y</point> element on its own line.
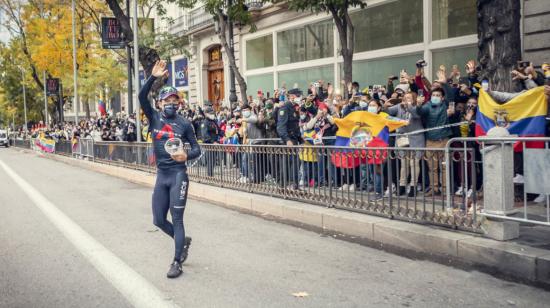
<point>452,56</point>
<point>309,42</point>
<point>260,82</point>
<point>376,72</point>
<point>259,52</point>
<point>393,24</point>
<point>452,18</point>
<point>304,77</point>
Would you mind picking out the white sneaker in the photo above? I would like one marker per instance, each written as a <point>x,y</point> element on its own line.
<point>387,192</point>
<point>469,193</point>
<point>459,192</point>
<point>352,187</point>
<point>540,199</point>
<point>518,179</point>
<point>243,180</point>
<point>344,187</point>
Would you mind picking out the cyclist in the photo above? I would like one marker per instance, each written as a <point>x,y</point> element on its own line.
<point>172,183</point>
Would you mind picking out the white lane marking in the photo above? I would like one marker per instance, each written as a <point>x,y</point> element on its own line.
<point>136,289</point>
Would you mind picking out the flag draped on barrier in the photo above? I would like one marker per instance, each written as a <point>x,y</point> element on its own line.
<point>524,115</point>
<point>46,145</point>
<point>363,129</point>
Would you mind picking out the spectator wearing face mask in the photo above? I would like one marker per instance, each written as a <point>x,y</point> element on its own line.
<point>267,119</point>
<point>436,112</point>
<point>308,156</point>
<point>210,134</point>
<point>289,131</point>
<point>130,133</point>
<point>466,113</point>
<point>119,133</point>
<point>371,173</point>
<point>253,135</point>
<point>406,110</point>
<point>96,134</point>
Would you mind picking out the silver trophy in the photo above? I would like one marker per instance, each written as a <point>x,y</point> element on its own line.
<point>173,146</point>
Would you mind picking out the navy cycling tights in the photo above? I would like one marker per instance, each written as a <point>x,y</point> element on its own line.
<point>170,193</point>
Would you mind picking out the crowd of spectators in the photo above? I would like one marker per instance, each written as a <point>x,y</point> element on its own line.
<point>435,111</point>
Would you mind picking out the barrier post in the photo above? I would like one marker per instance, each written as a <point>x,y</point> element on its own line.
<point>498,186</point>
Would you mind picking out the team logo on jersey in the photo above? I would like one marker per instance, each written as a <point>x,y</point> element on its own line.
<point>165,131</point>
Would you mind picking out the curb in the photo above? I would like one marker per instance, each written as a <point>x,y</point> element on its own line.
<point>504,259</point>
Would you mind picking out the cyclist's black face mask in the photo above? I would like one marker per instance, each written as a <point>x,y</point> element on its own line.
<point>170,110</point>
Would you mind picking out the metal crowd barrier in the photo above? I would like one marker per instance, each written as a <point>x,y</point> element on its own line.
<point>64,147</point>
<point>400,183</point>
<point>135,155</point>
<point>22,143</point>
<point>526,191</point>
<point>84,148</point>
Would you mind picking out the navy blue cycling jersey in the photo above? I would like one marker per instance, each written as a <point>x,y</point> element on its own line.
<point>163,128</point>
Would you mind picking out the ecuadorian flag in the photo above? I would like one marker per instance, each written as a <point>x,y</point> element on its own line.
<point>102,108</point>
<point>376,127</point>
<point>525,115</point>
<point>46,145</point>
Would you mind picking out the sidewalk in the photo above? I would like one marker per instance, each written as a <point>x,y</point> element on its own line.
<point>526,259</point>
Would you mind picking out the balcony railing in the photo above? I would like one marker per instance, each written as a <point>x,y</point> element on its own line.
<point>179,25</point>
<point>254,4</point>
<point>199,17</point>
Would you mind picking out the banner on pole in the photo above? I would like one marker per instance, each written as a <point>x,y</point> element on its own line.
<point>52,86</point>
<point>111,34</point>
<point>180,74</point>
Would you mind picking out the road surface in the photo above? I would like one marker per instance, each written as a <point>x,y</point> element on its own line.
<point>75,238</point>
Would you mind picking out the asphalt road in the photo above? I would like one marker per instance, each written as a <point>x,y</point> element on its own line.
<point>75,238</point>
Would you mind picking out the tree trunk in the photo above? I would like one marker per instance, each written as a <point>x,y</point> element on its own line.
<point>346,33</point>
<point>87,107</point>
<point>231,56</point>
<point>54,114</point>
<point>499,42</point>
<point>147,56</point>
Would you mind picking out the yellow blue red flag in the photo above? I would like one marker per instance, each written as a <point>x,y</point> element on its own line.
<point>362,129</point>
<point>524,115</point>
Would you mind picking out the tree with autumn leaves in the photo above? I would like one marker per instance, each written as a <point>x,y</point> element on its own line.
<point>41,40</point>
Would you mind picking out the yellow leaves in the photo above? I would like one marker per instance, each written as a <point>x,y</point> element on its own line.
<point>48,29</point>
<point>49,38</point>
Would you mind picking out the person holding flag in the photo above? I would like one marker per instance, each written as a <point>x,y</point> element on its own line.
<point>366,133</point>
<point>172,183</point>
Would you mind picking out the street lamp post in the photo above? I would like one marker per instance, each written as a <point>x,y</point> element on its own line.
<point>45,102</point>
<point>74,67</point>
<point>136,70</point>
<point>24,100</point>
<point>232,91</point>
<point>129,55</point>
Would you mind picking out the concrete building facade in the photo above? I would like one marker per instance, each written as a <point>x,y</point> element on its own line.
<point>293,49</point>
